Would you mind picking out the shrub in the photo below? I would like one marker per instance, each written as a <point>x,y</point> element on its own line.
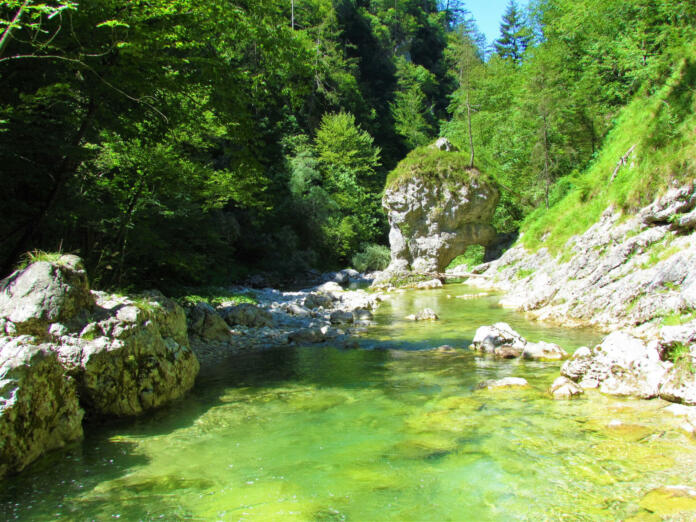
<point>373,257</point>
<point>472,256</point>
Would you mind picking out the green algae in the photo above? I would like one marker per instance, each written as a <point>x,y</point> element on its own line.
<point>393,433</point>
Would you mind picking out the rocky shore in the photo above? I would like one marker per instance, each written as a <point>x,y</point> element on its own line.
<point>632,277</point>
<point>68,353</point>
<point>324,313</point>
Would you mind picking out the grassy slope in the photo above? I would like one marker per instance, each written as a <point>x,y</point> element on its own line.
<point>663,129</point>
<point>436,166</point>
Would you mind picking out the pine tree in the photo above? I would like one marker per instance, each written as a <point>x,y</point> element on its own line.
<point>514,35</point>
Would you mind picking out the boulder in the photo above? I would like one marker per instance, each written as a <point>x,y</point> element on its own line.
<point>429,285</point>
<point>341,317</point>
<point>564,388</point>
<point>679,384</point>
<point>426,314</point>
<point>39,409</point>
<point>44,293</point>
<point>544,351</point>
<point>317,300</point>
<point>621,365</point>
<point>507,382</point>
<point>488,338</point>
<point>206,323</point>
<point>432,221</point>
<point>139,360</point>
<point>444,144</point>
<point>246,314</point>
<point>311,335</point>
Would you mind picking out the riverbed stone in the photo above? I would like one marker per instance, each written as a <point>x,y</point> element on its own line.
<point>544,351</point>
<point>205,322</point>
<point>246,314</point>
<point>39,409</point>
<point>317,300</point>
<point>679,384</point>
<point>427,314</point>
<point>506,382</point>
<point>488,338</point>
<point>341,317</point>
<point>564,388</point>
<point>429,285</point>
<point>43,293</point>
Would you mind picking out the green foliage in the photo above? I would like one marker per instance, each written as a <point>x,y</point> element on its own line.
<point>515,35</point>
<point>214,296</point>
<point>524,272</point>
<point>38,255</point>
<point>661,153</point>
<point>471,257</point>
<point>372,257</point>
<point>680,353</point>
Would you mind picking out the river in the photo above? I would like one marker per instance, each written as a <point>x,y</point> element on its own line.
<point>393,431</point>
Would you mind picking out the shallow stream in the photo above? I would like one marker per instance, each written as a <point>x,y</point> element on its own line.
<point>392,432</point>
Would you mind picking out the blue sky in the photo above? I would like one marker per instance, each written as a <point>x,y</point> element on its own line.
<point>488,14</point>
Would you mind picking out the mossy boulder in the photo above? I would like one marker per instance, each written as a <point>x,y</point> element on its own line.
<point>437,206</point>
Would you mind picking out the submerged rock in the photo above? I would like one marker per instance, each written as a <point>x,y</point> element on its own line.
<point>670,500</point>
<point>507,382</point>
<point>427,314</point>
<point>39,409</point>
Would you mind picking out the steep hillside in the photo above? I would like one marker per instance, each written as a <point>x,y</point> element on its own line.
<point>617,249</point>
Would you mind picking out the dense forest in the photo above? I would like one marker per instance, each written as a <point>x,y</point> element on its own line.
<point>193,142</point>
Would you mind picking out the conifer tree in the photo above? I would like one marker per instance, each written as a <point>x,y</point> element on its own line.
<point>514,35</point>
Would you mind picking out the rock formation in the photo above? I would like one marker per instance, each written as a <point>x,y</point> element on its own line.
<point>435,216</point>
<point>121,356</point>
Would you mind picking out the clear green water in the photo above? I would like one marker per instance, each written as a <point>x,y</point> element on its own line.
<point>384,434</point>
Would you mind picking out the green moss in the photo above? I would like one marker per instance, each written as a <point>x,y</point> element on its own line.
<point>435,166</point>
<point>679,317</point>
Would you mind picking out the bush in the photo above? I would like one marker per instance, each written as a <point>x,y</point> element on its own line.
<point>471,257</point>
<point>373,257</point>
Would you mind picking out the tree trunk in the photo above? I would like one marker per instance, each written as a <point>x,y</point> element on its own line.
<point>65,168</point>
<point>547,174</point>
<point>471,134</point>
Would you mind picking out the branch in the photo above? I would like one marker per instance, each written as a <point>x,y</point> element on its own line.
<point>621,163</point>
<point>14,23</point>
<point>90,69</point>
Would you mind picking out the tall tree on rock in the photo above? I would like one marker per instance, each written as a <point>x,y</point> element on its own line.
<point>514,34</point>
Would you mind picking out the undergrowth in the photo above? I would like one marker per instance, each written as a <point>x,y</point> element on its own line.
<point>214,296</point>
<point>472,256</point>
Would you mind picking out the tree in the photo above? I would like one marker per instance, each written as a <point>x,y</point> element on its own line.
<point>468,68</point>
<point>514,35</point>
